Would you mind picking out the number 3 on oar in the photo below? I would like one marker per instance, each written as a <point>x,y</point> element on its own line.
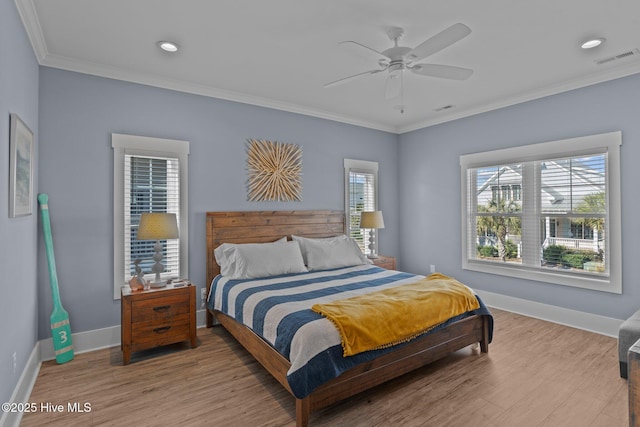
<point>60,327</point>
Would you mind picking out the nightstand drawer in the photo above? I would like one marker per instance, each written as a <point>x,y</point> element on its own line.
<point>159,309</point>
<point>157,331</point>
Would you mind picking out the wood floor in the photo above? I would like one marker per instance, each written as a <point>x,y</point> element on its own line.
<point>536,374</point>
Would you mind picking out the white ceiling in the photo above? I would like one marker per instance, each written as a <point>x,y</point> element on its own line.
<point>279,53</point>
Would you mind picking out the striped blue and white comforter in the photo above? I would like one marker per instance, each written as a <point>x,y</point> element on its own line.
<point>279,310</point>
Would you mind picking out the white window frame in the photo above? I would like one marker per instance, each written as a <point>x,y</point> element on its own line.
<point>586,145</point>
<point>146,146</point>
<point>360,166</point>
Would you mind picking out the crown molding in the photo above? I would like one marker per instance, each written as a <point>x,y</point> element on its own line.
<point>29,16</point>
<point>27,12</point>
<point>554,89</point>
<point>197,89</point>
<point>101,70</point>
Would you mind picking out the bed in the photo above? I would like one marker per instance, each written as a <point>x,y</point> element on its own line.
<point>373,369</point>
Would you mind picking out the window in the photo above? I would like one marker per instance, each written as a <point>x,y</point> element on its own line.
<point>507,192</point>
<point>547,212</point>
<point>150,175</point>
<point>516,192</point>
<point>361,194</point>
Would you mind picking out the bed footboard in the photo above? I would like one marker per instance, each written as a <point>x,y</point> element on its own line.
<point>414,355</point>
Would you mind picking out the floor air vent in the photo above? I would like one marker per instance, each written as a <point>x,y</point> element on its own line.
<point>623,55</point>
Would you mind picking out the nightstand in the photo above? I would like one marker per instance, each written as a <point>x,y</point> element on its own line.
<point>156,317</point>
<point>388,262</point>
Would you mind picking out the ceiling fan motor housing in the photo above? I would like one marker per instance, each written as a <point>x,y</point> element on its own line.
<point>397,53</point>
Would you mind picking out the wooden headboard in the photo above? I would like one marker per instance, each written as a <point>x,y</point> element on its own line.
<point>266,226</point>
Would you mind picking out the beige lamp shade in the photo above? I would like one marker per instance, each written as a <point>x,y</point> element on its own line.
<point>371,220</point>
<point>157,226</point>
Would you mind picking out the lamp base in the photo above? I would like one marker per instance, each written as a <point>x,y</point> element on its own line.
<point>157,284</point>
<point>157,267</point>
<point>372,245</point>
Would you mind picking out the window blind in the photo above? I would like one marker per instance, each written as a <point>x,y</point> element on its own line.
<point>152,184</point>
<point>361,193</point>
<point>361,198</point>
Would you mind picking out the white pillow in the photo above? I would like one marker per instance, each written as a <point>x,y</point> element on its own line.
<point>224,262</point>
<point>253,260</point>
<point>302,242</point>
<point>333,253</point>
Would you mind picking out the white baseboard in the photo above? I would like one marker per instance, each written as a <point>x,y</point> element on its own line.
<point>201,318</point>
<point>110,337</point>
<point>22,392</point>
<point>43,350</point>
<point>98,339</point>
<point>84,342</point>
<point>576,319</point>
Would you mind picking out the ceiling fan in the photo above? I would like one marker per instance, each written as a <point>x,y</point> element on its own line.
<point>397,59</point>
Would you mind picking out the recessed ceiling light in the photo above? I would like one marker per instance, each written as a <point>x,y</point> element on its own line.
<point>168,46</point>
<point>590,44</point>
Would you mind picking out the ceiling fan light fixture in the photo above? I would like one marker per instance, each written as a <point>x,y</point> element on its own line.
<point>590,44</point>
<point>168,46</point>
<point>396,69</point>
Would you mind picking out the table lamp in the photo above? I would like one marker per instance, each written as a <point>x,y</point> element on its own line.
<point>372,220</point>
<point>157,226</point>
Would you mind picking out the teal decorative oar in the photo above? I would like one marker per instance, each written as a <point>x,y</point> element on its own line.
<point>60,327</point>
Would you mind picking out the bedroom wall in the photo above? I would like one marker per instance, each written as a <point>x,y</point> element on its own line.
<point>78,113</point>
<point>18,306</point>
<point>430,184</point>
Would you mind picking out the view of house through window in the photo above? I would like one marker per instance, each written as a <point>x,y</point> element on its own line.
<point>551,214</point>
<point>572,213</point>
<point>498,218</point>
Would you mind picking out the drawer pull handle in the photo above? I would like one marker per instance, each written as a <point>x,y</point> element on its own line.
<point>161,330</point>
<point>161,308</point>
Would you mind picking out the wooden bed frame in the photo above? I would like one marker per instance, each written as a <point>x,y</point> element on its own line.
<point>263,226</point>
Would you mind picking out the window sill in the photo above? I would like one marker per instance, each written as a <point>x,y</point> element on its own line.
<point>585,281</point>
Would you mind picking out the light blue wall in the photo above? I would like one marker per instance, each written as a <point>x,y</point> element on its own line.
<point>18,236</point>
<point>430,186</point>
<point>78,113</point>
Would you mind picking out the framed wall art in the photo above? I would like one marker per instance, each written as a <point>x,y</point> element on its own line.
<point>275,171</point>
<point>21,158</point>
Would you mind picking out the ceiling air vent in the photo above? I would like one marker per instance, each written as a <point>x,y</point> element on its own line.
<point>446,107</point>
<point>623,55</point>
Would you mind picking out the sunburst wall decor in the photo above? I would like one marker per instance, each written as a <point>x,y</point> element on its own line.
<point>275,171</point>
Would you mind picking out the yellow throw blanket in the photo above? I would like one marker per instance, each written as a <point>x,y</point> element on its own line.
<point>391,316</point>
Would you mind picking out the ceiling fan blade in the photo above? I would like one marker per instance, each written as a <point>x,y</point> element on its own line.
<point>358,48</point>
<point>442,71</point>
<point>393,88</point>
<point>438,42</point>
<point>350,78</point>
